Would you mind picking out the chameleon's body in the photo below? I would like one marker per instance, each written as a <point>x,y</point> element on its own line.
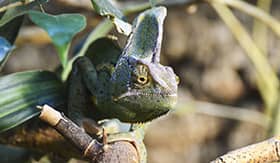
<point>132,87</point>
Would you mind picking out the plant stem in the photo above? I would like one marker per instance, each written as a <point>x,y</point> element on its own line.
<point>266,78</point>
<point>253,11</point>
<point>260,29</point>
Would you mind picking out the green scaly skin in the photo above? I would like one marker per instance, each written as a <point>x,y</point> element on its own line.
<point>133,87</point>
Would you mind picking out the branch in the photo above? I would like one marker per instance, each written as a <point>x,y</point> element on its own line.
<point>76,144</point>
<point>266,151</point>
<point>68,129</point>
<point>89,147</point>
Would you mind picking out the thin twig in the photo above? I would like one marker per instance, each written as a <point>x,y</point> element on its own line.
<point>11,5</point>
<point>15,4</point>
<point>236,113</point>
<point>187,104</point>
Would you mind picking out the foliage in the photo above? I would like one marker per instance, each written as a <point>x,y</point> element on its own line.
<point>22,92</point>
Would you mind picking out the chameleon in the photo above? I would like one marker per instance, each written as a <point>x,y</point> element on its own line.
<point>131,86</point>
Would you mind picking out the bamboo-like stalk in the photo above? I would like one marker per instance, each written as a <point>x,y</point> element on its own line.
<point>267,80</point>
<point>254,12</point>
<point>259,28</point>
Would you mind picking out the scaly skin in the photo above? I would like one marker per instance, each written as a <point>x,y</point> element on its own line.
<point>133,87</point>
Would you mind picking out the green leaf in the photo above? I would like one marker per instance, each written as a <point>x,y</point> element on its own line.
<point>21,92</point>
<point>105,8</point>
<point>18,11</point>
<point>5,51</point>
<point>61,29</point>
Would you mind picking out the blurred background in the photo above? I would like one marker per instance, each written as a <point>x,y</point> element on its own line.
<point>220,106</point>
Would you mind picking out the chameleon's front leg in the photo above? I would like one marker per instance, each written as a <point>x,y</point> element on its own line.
<point>79,101</point>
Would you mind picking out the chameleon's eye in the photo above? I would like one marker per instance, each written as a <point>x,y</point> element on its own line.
<point>141,76</point>
<point>177,79</point>
<point>142,80</point>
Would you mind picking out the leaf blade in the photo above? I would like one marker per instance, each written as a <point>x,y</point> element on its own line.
<point>23,92</point>
<point>61,28</point>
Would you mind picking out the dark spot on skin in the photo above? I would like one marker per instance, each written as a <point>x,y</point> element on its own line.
<point>101,92</point>
<point>158,101</point>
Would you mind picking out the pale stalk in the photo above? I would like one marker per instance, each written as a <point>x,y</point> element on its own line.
<point>260,29</point>
<point>267,80</point>
<point>253,11</point>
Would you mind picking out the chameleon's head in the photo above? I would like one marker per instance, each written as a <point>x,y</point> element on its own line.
<point>140,83</point>
<point>148,90</point>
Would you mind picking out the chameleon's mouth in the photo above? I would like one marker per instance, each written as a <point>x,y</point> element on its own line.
<point>135,93</point>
